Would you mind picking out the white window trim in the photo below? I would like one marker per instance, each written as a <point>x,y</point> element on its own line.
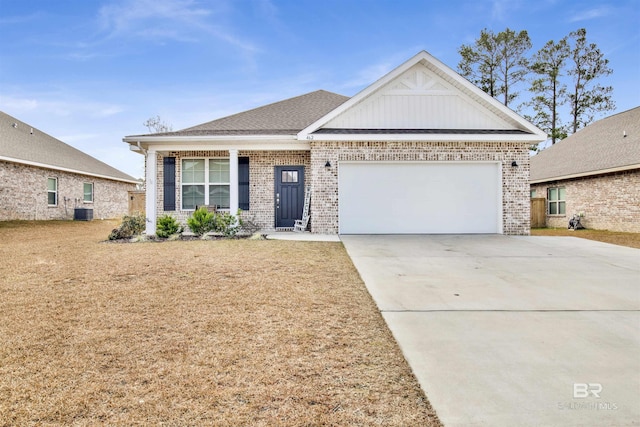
<point>50,191</point>
<point>83,194</point>
<point>206,184</point>
<point>557,202</point>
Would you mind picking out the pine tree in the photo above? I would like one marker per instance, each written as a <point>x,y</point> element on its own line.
<point>587,97</point>
<point>548,89</point>
<point>496,62</point>
<point>479,63</point>
<point>513,64</point>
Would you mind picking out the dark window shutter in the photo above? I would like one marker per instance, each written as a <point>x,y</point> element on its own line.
<point>243,183</point>
<point>169,183</point>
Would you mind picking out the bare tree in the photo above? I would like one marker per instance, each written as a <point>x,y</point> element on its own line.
<point>157,125</point>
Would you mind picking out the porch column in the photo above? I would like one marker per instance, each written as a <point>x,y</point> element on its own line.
<point>233,181</point>
<point>151,172</point>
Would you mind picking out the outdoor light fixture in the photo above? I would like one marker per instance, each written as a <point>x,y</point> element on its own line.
<point>514,164</point>
<point>328,164</point>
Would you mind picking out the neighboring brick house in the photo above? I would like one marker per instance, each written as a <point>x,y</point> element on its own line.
<point>421,150</point>
<point>43,178</point>
<point>595,172</point>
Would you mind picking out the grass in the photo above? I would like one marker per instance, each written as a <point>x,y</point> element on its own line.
<point>617,238</point>
<point>227,332</point>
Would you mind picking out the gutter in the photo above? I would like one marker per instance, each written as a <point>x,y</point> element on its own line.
<point>63,169</point>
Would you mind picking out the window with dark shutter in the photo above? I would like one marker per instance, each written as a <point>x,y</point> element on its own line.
<point>169,164</point>
<point>243,183</point>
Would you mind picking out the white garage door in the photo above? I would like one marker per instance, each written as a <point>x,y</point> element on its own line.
<point>425,197</point>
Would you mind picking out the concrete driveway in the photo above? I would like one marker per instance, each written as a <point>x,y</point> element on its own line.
<point>511,331</point>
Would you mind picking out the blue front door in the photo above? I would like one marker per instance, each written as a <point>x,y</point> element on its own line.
<point>289,195</point>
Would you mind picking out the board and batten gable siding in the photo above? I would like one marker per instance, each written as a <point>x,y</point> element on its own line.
<point>23,194</point>
<point>515,180</point>
<point>255,180</point>
<point>418,99</point>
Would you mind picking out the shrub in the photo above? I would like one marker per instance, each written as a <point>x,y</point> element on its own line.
<point>201,221</point>
<point>131,225</point>
<point>167,226</point>
<point>228,224</point>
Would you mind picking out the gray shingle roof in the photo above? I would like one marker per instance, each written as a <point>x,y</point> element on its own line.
<point>23,143</point>
<point>286,117</point>
<point>597,147</point>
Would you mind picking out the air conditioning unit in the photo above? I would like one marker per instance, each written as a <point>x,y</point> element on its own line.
<point>82,214</point>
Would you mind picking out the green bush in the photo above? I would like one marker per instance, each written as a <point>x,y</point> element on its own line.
<point>167,226</point>
<point>228,224</point>
<point>201,221</point>
<point>132,225</point>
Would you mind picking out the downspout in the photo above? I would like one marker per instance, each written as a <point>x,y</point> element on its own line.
<point>140,148</point>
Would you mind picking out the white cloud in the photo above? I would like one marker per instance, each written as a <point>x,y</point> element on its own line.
<point>126,16</point>
<point>14,105</point>
<point>590,14</point>
<point>500,9</point>
<point>371,73</point>
<point>79,137</point>
<point>47,103</point>
<point>158,20</point>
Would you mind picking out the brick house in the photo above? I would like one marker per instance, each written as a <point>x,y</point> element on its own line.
<point>596,172</point>
<point>421,150</point>
<point>43,178</point>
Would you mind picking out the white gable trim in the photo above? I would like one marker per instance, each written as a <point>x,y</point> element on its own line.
<point>468,89</point>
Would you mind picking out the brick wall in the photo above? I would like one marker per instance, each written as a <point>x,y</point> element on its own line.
<point>261,181</point>
<point>609,202</point>
<point>515,185</point>
<point>23,194</point>
<point>324,219</point>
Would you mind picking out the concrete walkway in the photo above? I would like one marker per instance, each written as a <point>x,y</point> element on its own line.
<point>302,236</point>
<point>512,331</point>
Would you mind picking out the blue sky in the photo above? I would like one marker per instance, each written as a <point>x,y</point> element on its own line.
<point>89,72</point>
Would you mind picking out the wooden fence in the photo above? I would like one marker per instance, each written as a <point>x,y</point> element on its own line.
<point>538,212</point>
<point>136,202</point>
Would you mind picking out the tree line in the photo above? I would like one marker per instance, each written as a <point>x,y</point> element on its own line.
<point>562,73</point>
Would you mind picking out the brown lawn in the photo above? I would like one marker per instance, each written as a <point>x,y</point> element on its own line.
<point>617,238</point>
<point>239,332</point>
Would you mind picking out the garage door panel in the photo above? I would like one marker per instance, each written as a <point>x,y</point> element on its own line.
<point>435,198</point>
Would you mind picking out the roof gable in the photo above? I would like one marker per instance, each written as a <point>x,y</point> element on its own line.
<point>423,94</point>
<point>609,144</point>
<point>22,143</point>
